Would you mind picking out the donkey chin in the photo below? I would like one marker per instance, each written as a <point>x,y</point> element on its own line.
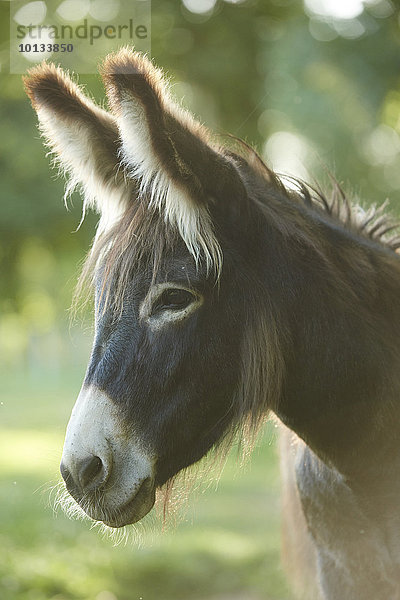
<point>105,468</point>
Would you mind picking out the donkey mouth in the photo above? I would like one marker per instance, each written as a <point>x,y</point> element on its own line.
<point>112,515</point>
<point>132,511</point>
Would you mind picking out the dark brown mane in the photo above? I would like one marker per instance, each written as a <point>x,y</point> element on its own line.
<point>373,223</point>
<point>139,237</point>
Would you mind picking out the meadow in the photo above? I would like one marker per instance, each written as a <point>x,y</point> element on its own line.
<point>223,544</point>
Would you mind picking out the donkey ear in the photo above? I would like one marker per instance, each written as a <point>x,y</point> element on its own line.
<point>169,153</point>
<point>82,136</point>
<point>157,133</point>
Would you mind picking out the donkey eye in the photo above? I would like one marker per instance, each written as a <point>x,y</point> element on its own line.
<point>173,299</point>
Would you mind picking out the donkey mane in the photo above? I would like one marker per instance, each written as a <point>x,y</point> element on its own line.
<point>373,223</point>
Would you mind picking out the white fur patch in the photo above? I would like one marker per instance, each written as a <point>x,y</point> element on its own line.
<point>96,429</point>
<point>72,146</point>
<point>164,317</point>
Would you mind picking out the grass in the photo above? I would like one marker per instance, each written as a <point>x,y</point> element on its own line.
<point>225,546</point>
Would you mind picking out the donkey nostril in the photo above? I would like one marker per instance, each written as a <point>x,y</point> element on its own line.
<point>66,474</point>
<point>84,474</point>
<point>89,470</point>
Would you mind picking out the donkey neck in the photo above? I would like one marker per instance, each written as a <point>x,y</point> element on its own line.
<point>341,389</point>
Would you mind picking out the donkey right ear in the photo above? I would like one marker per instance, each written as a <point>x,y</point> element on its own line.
<point>83,137</point>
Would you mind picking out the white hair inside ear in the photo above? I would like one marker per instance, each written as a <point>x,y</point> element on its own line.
<point>143,160</point>
<point>83,140</point>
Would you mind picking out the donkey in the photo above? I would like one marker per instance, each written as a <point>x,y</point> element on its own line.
<point>222,293</point>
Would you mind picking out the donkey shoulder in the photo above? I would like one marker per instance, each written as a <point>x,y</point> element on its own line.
<point>331,547</point>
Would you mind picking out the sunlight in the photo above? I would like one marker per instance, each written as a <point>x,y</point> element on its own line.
<point>382,146</point>
<point>104,10</point>
<point>288,153</point>
<point>32,13</point>
<point>200,7</point>
<point>73,10</point>
<point>337,9</point>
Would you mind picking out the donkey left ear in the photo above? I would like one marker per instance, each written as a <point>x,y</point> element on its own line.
<point>171,155</point>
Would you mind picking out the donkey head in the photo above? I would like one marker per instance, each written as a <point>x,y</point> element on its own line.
<point>174,272</point>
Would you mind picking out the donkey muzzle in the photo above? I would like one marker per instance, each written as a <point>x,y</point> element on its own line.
<point>104,466</point>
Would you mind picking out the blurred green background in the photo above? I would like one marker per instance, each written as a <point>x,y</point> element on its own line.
<point>314,86</point>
